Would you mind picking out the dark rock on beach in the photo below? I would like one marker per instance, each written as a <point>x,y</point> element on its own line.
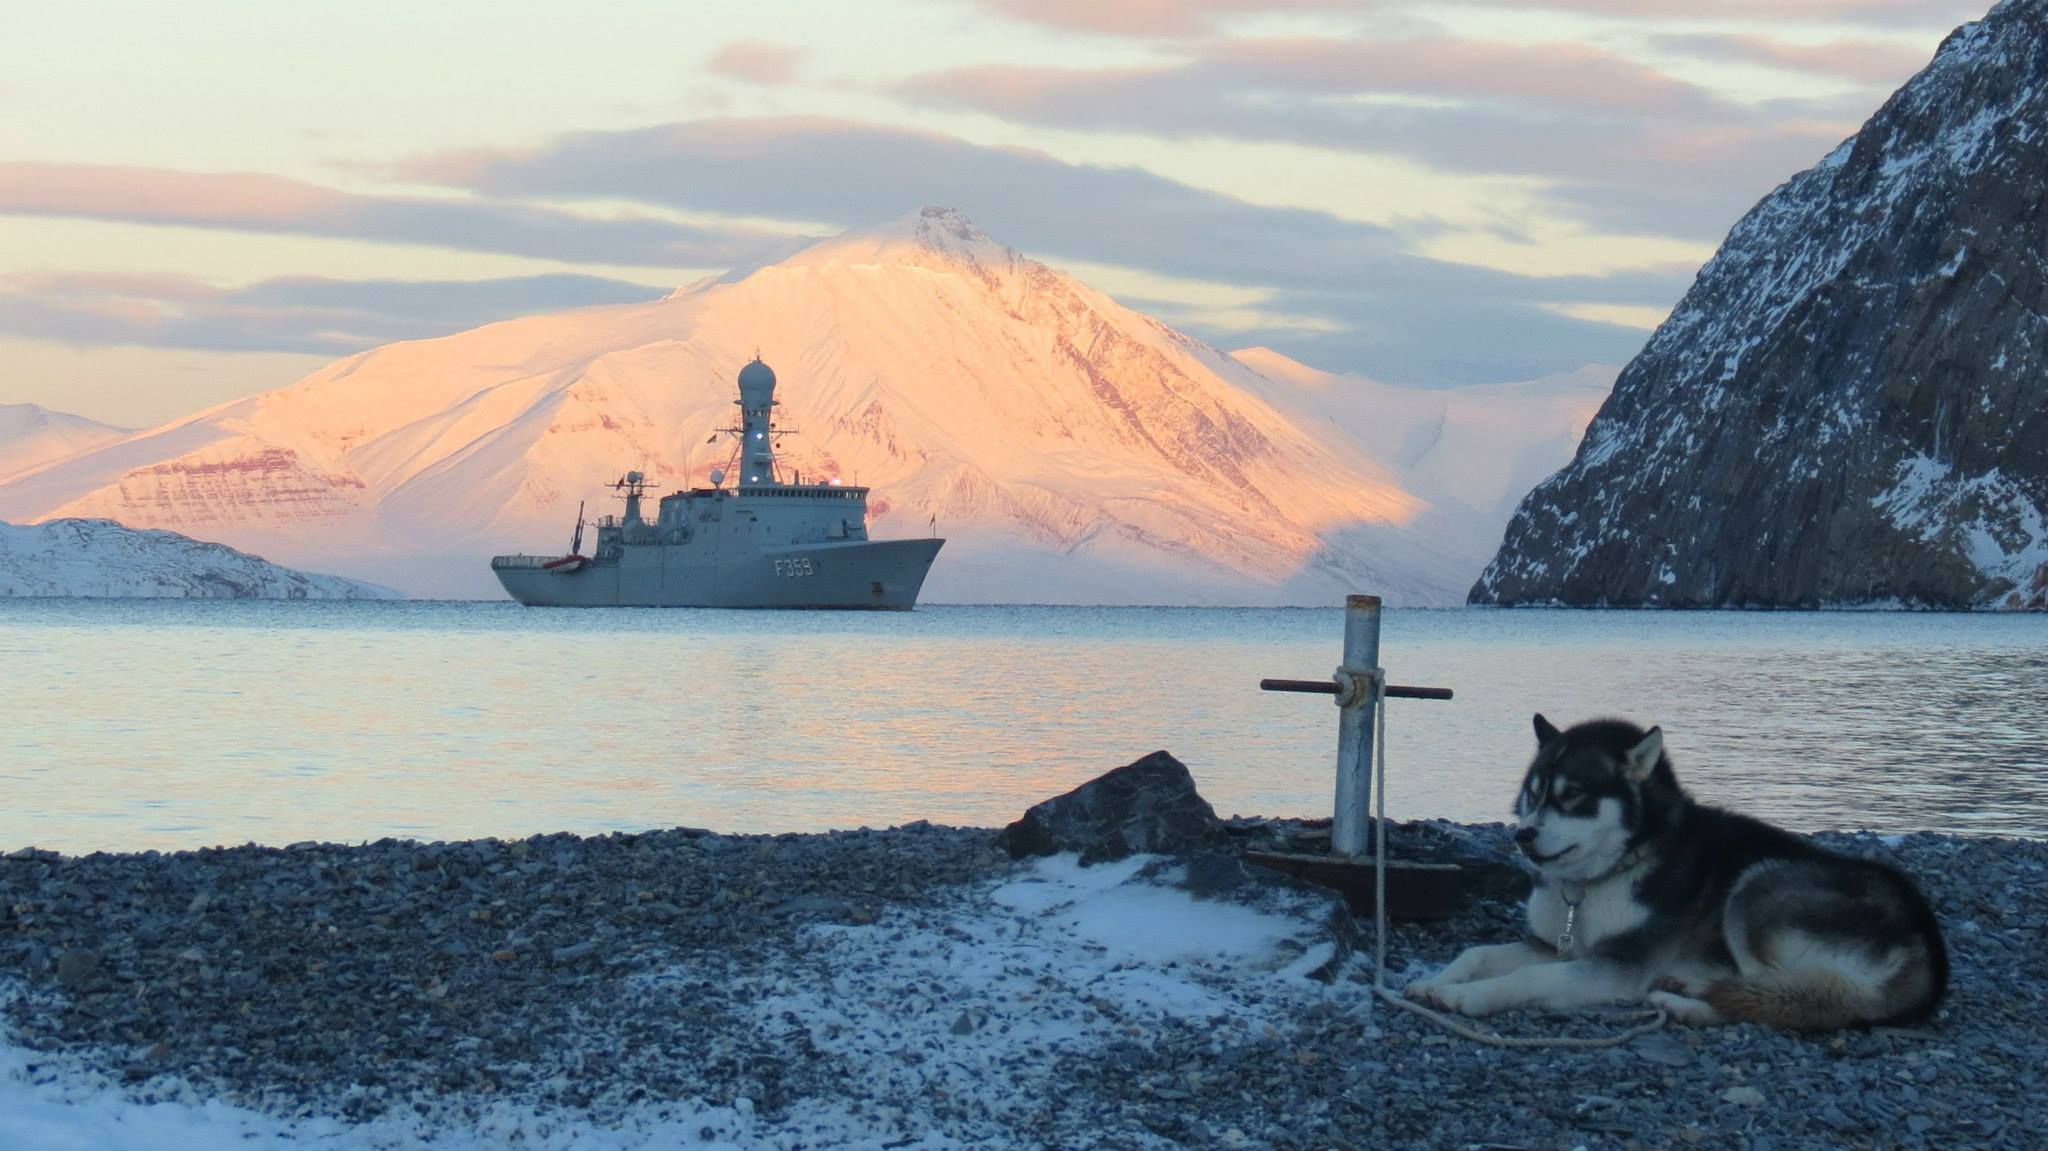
<point>1147,806</point>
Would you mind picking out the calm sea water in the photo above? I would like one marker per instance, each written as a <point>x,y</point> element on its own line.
<point>140,724</point>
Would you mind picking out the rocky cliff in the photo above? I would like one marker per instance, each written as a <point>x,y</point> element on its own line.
<point>1849,406</point>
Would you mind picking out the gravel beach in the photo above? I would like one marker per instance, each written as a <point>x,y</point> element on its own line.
<point>916,988</point>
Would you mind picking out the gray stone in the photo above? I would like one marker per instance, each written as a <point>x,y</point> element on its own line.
<point>77,968</point>
<point>1663,1050</point>
<point>574,952</point>
<point>1744,1096</point>
<point>822,905</point>
<point>1147,806</point>
<point>1851,403</point>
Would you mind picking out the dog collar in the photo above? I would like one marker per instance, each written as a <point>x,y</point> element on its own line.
<point>1571,916</point>
<point>1571,902</point>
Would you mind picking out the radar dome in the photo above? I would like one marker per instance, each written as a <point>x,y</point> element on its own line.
<point>757,375</point>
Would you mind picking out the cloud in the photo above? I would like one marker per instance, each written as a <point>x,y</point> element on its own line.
<point>252,202</point>
<point>1155,18</point>
<point>1863,61</point>
<point>288,314</point>
<point>1873,13</point>
<point>756,62</point>
<point>1585,120</point>
<point>1191,18</point>
<point>1361,276</point>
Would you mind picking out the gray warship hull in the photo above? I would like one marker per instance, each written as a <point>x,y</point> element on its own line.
<point>872,575</point>
<point>761,543</point>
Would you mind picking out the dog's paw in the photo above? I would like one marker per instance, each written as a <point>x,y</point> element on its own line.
<point>1464,999</point>
<point>1676,986</point>
<point>1684,1008</point>
<point>1422,991</point>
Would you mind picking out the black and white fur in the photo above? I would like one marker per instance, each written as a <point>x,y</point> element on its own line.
<point>1714,916</point>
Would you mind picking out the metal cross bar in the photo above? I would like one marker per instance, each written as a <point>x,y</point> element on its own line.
<point>1350,829</point>
<point>1329,687</point>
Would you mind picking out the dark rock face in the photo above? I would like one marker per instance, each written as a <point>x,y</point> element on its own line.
<point>1851,404</point>
<point>1147,806</point>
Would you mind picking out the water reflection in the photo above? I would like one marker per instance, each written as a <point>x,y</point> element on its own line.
<point>132,725</point>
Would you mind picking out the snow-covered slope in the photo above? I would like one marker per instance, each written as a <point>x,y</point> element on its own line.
<point>1851,404</point>
<point>31,436</point>
<point>1071,449</point>
<point>1479,447</point>
<point>100,558</point>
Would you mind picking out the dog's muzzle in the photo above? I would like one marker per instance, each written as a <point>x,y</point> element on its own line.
<point>1526,840</point>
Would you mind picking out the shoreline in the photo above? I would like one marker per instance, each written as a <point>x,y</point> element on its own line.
<point>912,987</point>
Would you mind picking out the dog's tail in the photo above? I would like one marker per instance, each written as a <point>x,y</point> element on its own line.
<point>1822,996</point>
<point>1814,1001</point>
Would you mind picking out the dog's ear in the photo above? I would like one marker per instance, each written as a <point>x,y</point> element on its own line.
<point>1546,732</point>
<point>1642,758</point>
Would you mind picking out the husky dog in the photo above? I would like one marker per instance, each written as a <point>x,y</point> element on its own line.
<point>1643,894</point>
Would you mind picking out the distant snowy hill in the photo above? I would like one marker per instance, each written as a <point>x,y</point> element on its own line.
<point>1851,404</point>
<point>1479,448</point>
<point>31,436</point>
<point>100,558</point>
<point>1070,449</point>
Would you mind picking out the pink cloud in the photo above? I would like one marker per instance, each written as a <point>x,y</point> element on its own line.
<point>1558,73</point>
<point>757,62</point>
<point>156,194</point>
<point>1154,17</point>
<point>1867,12</point>
<point>1183,18</point>
<point>248,201</point>
<point>1865,61</point>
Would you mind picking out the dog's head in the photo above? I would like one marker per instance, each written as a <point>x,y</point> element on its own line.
<point>1582,805</point>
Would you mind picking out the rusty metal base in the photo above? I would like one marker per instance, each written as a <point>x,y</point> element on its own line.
<point>1414,890</point>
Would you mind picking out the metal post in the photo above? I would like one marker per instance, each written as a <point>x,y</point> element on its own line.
<point>1351,828</point>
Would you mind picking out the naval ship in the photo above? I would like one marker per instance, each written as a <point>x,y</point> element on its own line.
<point>758,543</point>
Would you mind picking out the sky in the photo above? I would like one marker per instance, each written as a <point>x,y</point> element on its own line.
<point>203,200</point>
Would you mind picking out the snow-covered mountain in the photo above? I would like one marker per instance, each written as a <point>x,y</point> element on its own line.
<point>1851,404</point>
<point>99,558</point>
<point>1071,449</point>
<point>31,436</point>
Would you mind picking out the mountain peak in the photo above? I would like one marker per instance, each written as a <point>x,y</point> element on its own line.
<point>940,227</point>
<point>32,435</point>
<point>931,236</point>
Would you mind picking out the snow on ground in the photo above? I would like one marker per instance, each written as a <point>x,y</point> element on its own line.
<point>967,1009</point>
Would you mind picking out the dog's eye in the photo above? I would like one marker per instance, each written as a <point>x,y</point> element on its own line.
<point>1564,793</point>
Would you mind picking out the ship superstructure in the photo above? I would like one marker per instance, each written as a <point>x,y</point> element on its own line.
<point>759,542</point>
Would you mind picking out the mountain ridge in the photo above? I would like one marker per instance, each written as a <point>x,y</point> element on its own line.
<point>1071,448</point>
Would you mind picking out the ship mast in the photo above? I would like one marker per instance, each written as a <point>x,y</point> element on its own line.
<point>757,430</point>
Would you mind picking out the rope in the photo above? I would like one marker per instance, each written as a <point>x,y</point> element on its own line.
<point>1379,916</point>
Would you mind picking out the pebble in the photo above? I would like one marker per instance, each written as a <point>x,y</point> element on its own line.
<point>1744,1096</point>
